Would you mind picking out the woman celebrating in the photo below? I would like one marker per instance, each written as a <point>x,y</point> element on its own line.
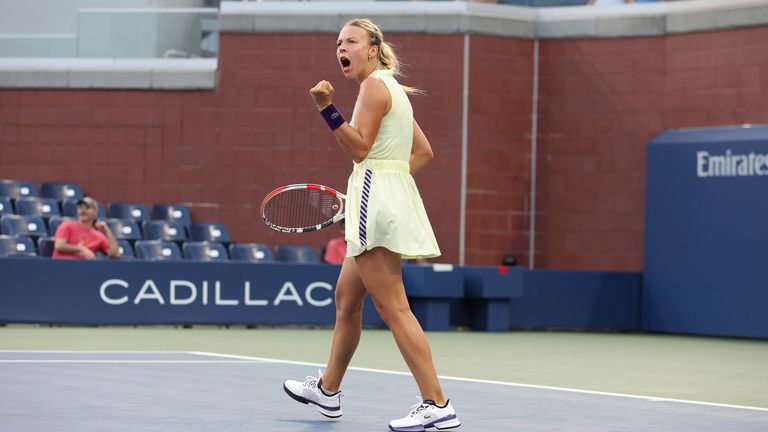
<point>385,222</point>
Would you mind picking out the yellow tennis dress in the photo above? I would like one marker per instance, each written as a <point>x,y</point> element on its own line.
<point>384,208</point>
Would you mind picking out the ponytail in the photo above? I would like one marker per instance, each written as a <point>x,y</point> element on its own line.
<point>386,53</point>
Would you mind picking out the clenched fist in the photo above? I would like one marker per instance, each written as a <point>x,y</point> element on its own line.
<point>321,94</point>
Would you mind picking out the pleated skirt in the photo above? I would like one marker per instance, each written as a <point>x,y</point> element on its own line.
<point>384,209</point>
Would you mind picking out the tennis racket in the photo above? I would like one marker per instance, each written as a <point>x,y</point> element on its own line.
<point>302,207</point>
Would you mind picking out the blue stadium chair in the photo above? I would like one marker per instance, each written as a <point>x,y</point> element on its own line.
<point>69,208</point>
<point>125,229</point>
<point>214,232</point>
<point>7,245</point>
<point>135,211</point>
<point>32,226</point>
<point>172,212</point>
<point>16,189</point>
<point>61,191</point>
<point>37,206</point>
<point>25,246</point>
<point>10,248</point>
<point>5,205</point>
<point>45,246</point>
<point>250,252</point>
<point>55,221</point>
<point>126,250</point>
<point>157,250</point>
<point>296,254</point>
<point>205,251</point>
<point>164,230</point>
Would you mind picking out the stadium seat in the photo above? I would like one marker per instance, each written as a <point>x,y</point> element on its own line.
<point>214,232</point>
<point>25,245</point>
<point>16,189</point>
<point>124,229</point>
<point>32,226</point>
<point>45,246</point>
<point>157,250</point>
<point>296,254</point>
<point>37,206</point>
<point>5,205</point>
<point>7,245</point>
<point>164,230</point>
<point>126,250</point>
<point>172,212</point>
<point>69,208</point>
<point>10,248</point>
<point>135,211</point>
<point>250,252</point>
<point>205,251</point>
<point>55,221</point>
<point>61,191</point>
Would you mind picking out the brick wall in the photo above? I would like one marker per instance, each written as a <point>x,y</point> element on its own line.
<point>498,160</point>
<point>221,151</point>
<point>602,101</point>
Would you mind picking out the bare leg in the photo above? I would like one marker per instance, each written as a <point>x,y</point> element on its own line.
<point>381,272</point>
<point>350,294</point>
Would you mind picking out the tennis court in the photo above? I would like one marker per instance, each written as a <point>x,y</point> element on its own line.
<point>155,390</point>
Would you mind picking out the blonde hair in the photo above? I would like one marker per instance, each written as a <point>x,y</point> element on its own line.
<point>386,52</point>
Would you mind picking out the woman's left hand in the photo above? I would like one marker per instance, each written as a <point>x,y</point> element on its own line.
<point>321,93</point>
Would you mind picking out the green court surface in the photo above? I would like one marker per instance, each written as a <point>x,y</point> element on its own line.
<point>705,369</point>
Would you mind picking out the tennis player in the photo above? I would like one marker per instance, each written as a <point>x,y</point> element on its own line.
<point>385,222</point>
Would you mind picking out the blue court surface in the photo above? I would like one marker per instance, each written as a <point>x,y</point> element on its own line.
<point>189,391</point>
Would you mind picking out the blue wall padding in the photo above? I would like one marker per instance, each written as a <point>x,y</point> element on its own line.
<point>578,300</point>
<point>488,292</point>
<point>430,290</point>
<point>67,291</point>
<point>80,292</point>
<point>706,232</point>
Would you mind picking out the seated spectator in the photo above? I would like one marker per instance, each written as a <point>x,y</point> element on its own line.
<point>336,249</point>
<point>81,239</point>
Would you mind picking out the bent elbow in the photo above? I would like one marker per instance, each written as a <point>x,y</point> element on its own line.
<point>360,155</point>
<point>426,155</point>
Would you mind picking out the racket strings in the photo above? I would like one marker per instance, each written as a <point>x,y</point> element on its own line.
<point>298,208</point>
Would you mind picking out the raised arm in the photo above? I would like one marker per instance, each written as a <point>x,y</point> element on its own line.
<point>421,152</point>
<point>373,103</point>
<point>113,250</point>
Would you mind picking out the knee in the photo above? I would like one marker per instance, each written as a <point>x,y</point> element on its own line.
<point>348,314</point>
<point>392,313</point>
<point>348,307</point>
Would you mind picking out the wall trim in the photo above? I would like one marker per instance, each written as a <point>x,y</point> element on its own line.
<point>157,74</point>
<point>642,19</point>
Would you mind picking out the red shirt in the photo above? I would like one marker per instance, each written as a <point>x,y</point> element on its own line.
<point>336,251</point>
<point>73,232</point>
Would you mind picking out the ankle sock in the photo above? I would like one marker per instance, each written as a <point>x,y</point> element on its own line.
<point>431,402</point>
<point>324,391</point>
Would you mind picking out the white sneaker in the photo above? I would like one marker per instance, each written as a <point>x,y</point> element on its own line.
<point>426,415</point>
<point>309,392</point>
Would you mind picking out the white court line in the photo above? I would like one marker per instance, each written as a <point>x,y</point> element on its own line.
<point>131,361</point>
<point>93,352</point>
<point>108,361</point>
<point>505,383</point>
<point>250,359</point>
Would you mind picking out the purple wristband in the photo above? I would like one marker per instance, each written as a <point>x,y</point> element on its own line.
<point>332,116</point>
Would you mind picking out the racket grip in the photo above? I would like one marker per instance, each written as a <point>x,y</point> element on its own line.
<point>332,117</point>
